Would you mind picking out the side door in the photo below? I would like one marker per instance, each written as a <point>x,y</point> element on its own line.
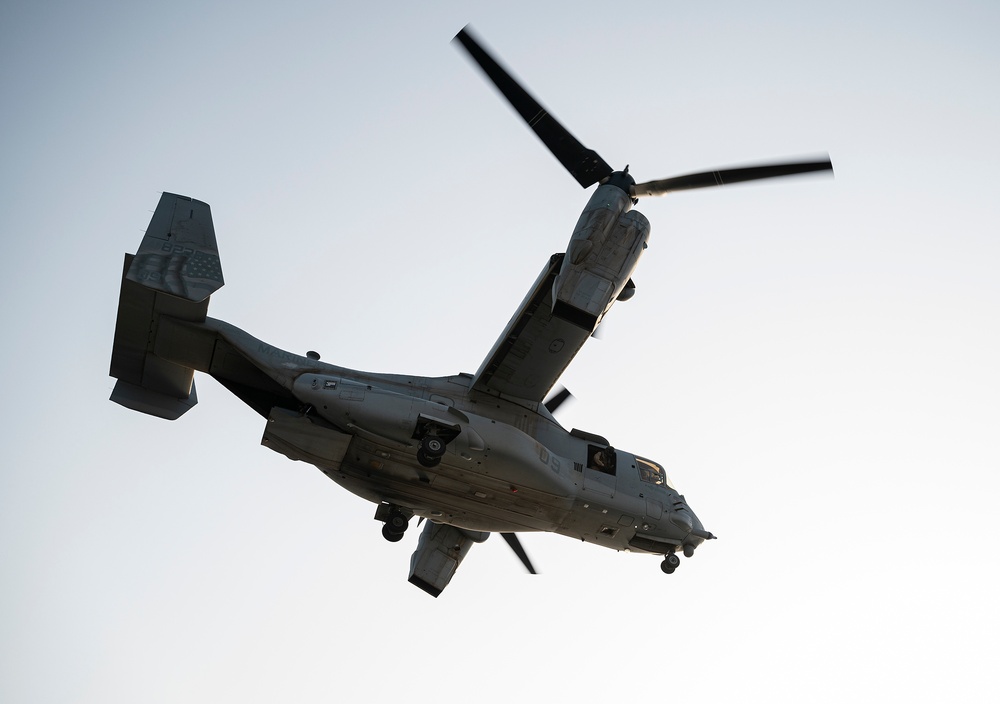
<point>600,471</point>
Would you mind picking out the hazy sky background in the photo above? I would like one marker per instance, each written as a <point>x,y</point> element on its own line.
<point>814,361</point>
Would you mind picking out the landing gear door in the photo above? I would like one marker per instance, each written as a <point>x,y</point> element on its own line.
<point>599,474</point>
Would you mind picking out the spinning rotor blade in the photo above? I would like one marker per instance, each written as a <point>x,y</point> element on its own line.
<point>726,176</point>
<point>560,397</point>
<point>585,165</point>
<point>515,545</point>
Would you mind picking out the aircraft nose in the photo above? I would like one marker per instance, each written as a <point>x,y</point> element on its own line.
<point>683,520</point>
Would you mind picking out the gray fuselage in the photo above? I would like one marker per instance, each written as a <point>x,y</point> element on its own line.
<point>509,467</point>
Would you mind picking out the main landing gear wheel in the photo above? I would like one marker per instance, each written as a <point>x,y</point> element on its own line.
<point>431,450</point>
<point>391,535</point>
<point>395,525</point>
<point>670,563</point>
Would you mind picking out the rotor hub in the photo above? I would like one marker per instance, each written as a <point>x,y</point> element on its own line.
<point>622,180</point>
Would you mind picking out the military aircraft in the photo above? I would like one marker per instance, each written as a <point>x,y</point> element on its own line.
<point>472,454</point>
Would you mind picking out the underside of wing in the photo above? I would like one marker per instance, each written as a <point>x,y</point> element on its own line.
<point>536,346</point>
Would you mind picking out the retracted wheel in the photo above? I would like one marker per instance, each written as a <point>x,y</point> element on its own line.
<point>425,460</point>
<point>391,535</point>
<point>432,445</point>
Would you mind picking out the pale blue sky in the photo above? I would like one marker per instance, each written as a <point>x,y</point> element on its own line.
<point>813,361</point>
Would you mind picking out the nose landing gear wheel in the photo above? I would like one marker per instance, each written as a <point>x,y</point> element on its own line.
<point>670,563</point>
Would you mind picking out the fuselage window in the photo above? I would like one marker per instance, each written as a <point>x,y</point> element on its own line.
<point>603,459</point>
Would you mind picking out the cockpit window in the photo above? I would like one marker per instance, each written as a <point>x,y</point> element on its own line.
<point>651,472</point>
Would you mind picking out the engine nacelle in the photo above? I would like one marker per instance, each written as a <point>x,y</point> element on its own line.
<point>439,552</point>
<point>602,254</point>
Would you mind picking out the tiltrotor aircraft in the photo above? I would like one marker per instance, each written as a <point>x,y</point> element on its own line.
<point>473,454</point>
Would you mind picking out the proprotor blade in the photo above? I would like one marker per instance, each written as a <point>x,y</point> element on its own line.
<point>515,545</point>
<point>586,166</point>
<point>558,398</point>
<point>723,177</point>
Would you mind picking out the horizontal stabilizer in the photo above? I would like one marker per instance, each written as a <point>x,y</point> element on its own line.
<point>178,254</point>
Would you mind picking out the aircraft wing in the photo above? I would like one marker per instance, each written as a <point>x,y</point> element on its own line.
<point>535,347</point>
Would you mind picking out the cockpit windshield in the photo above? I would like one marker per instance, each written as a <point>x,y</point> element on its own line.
<point>653,473</point>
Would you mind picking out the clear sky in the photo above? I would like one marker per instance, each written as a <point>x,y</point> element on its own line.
<point>814,361</point>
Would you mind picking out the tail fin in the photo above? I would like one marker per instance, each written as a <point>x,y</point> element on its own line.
<point>174,273</point>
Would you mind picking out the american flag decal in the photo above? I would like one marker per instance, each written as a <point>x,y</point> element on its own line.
<point>203,266</point>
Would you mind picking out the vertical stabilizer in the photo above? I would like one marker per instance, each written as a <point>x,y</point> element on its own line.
<point>172,276</point>
<point>178,254</point>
